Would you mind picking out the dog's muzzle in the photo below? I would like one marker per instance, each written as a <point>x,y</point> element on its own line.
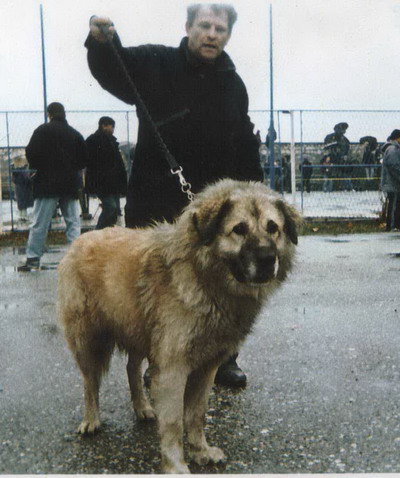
<point>255,265</point>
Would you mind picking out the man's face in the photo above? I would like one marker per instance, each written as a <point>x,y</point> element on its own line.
<point>208,35</point>
<point>107,129</point>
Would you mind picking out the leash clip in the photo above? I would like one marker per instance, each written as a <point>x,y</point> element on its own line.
<point>186,187</point>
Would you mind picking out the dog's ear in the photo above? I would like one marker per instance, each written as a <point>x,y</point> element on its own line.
<point>292,219</point>
<point>207,220</point>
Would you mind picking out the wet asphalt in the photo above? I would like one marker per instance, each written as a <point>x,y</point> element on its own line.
<point>323,367</point>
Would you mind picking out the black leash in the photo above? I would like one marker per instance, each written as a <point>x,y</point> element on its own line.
<point>175,168</point>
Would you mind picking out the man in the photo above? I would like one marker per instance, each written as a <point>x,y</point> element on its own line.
<point>200,106</point>
<point>58,153</point>
<point>106,174</point>
<point>306,173</point>
<point>391,180</point>
<point>370,144</point>
<point>337,146</point>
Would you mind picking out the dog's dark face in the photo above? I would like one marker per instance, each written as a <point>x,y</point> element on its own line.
<point>250,232</point>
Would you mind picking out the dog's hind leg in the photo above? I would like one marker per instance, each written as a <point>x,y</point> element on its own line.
<point>168,383</point>
<point>196,400</point>
<point>141,404</point>
<point>93,358</point>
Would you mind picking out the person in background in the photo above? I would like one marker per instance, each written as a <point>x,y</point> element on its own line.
<point>200,106</point>
<point>306,173</point>
<point>390,181</point>
<point>22,179</point>
<point>337,147</point>
<point>327,172</point>
<point>58,154</point>
<point>370,144</point>
<point>106,173</point>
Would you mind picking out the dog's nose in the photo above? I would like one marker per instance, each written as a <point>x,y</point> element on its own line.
<point>266,258</point>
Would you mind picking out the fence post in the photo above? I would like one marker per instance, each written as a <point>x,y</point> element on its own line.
<point>292,157</point>
<point>9,172</point>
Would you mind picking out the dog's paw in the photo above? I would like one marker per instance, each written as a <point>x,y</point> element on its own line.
<point>177,469</point>
<point>89,427</point>
<point>145,414</point>
<point>211,454</point>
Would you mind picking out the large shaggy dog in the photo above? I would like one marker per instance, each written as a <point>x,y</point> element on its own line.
<point>184,296</point>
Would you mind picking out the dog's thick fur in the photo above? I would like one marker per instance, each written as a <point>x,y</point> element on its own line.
<point>183,295</point>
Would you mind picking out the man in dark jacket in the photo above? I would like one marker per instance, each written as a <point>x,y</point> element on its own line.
<point>391,180</point>
<point>200,106</point>
<point>337,147</point>
<point>57,152</point>
<point>106,174</point>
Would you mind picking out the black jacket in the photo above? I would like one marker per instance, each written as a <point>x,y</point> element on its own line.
<point>105,173</point>
<point>202,114</point>
<point>58,152</point>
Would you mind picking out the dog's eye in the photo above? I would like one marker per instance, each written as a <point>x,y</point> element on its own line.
<point>241,229</point>
<point>272,227</point>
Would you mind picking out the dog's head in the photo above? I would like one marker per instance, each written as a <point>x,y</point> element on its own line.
<point>247,228</point>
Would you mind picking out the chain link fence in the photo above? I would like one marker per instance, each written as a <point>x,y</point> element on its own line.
<point>348,190</point>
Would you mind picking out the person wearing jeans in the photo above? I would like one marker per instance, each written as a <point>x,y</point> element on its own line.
<point>42,214</point>
<point>58,153</point>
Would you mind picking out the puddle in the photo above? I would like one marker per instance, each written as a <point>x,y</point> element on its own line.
<point>19,251</point>
<point>8,269</point>
<point>51,329</point>
<point>11,306</point>
<point>47,266</point>
<point>337,240</point>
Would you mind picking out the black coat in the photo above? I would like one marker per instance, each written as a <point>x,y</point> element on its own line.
<point>58,152</point>
<point>105,173</point>
<point>202,114</point>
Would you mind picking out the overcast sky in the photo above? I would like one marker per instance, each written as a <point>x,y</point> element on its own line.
<point>340,54</point>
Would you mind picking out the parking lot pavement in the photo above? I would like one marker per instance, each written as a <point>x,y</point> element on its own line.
<point>323,367</point>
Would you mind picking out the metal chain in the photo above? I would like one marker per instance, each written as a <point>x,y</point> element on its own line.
<point>176,169</point>
<point>185,186</point>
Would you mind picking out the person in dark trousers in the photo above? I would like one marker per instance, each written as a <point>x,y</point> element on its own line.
<point>22,179</point>
<point>106,173</point>
<point>58,154</point>
<point>306,173</point>
<point>200,106</point>
<point>391,180</point>
<point>369,157</point>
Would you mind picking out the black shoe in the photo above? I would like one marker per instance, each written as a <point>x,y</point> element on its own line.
<point>31,264</point>
<point>230,375</point>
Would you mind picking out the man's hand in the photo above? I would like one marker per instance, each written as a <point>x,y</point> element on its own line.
<point>101,28</point>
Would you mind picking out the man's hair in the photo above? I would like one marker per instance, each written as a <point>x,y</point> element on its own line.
<point>395,134</point>
<point>106,120</point>
<point>217,8</point>
<point>56,110</point>
<point>340,126</point>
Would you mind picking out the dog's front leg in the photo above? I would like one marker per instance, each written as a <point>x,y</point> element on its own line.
<point>167,390</point>
<point>196,400</point>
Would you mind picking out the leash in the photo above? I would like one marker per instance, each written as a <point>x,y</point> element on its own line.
<point>175,168</point>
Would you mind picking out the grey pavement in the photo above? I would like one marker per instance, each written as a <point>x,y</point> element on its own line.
<point>323,366</point>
